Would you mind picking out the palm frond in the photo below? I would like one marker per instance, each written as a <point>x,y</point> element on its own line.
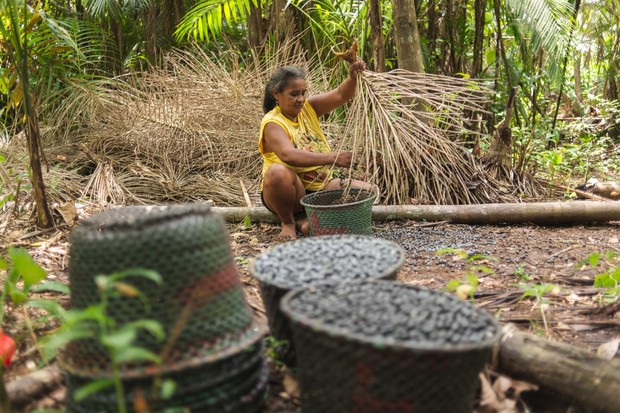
<point>548,21</point>
<point>206,19</point>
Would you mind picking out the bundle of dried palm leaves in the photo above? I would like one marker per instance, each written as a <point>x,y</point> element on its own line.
<point>185,132</point>
<point>404,129</point>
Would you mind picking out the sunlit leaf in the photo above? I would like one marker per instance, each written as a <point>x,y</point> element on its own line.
<point>135,354</point>
<point>152,326</point>
<point>168,387</point>
<point>52,307</point>
<point>120,339</point>
<point>30,271</point>
<point>92,388</point>
<point>52,286</point>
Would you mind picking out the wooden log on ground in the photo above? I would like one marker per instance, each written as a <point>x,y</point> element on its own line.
<point>568,371</point>
<point>575,212</point>
<point>32,386</point>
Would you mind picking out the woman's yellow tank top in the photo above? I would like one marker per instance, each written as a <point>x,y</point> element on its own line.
<point>306,134</point>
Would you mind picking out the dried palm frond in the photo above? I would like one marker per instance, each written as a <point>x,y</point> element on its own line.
<point>104,186</point>
<point>404,129</point>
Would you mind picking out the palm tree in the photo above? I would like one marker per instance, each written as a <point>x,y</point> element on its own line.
<point>16,36</point>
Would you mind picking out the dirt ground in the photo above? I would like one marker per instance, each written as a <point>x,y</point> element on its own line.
<point>514,259</point>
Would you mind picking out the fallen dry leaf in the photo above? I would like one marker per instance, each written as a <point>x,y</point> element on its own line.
<point>68,212</point>
<point>608,350</point>
<point>501,396</point>
<point>291,386</point>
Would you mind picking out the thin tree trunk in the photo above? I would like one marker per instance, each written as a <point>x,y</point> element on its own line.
<point>33,137</point>
<point>255,26</point>
<point>376,32</point>
<point>479,17</point>
<point>431,33</point>
<point>570,37</point>
<point>406,35</point>
<point>150,29</point>
<point>500,43</point>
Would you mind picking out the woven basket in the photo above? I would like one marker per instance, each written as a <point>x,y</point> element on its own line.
<point>340,211</point>
<point>318,260</point>
<point>188,246</point>
<point>356,355</point>
<point>213,347</point>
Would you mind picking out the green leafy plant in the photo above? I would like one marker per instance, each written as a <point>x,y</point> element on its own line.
<point>608,279</point>
<point>521,273</point>
<point>23,275</point>
<point>93,322</point>
<point>272,347</point>
<point>247,222</point>
<point>538,291</point>
<point>466,287</point>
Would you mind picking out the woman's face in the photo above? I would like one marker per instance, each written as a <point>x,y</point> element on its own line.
<point>292,98</point>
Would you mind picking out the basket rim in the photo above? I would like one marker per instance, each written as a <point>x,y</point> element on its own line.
<point>380,342</point>
<point>388,271</point>
<point>304,201</point>
<point>253,334</point>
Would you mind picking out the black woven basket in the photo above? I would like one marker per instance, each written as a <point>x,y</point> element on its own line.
<point>318,260</point>
<point>201,293</point>
<point>217,352</point>
<point>382,347</point>
<point>340,211</point>
<point>244,392</point>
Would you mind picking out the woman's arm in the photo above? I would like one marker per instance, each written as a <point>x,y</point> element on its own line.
<point>276,140</point>
<point>326,102</point>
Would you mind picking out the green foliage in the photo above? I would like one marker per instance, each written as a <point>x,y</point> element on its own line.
<point>467,286</point>
<point>520,272</point>
<point>207,18</point>
<point>247,222</point>
<point>538,291</point>
<point>24,276</point>
<point>272,347</point>
<point>608,279</point>
<point>93,322</point>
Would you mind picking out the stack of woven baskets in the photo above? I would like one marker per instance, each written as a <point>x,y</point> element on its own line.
<point>213,350</point>
<point>363,343</point>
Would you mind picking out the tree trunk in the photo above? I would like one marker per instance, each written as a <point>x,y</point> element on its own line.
<point>376,33</point>
<point>150,32</point>
<point>500,150</point>
<point>544,213</point>
<point>569,371</point>
<point>480,7</point>
<point>431,34</point>
<point>406,36</point>
<point>255,26</point>
<point>33,138</point>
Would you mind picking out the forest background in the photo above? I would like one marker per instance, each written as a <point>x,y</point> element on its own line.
<point>78,77</point>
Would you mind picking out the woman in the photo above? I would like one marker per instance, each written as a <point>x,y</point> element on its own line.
<point>297,158</point>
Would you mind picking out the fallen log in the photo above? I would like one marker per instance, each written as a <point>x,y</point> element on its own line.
<point>30,387</point>
<point>573,373</point>
<point>575,212</point>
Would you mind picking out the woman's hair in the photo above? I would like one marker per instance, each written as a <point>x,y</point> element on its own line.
<point>278,82</point>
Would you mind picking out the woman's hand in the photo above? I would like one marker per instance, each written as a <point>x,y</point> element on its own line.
<point>344,159</point>
<point>358,66</point>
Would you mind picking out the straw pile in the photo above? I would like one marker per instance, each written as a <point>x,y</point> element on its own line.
<point>405,127</point>
<point>188,132</point>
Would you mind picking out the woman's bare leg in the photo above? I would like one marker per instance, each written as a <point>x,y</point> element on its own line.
<point>282,191</point>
